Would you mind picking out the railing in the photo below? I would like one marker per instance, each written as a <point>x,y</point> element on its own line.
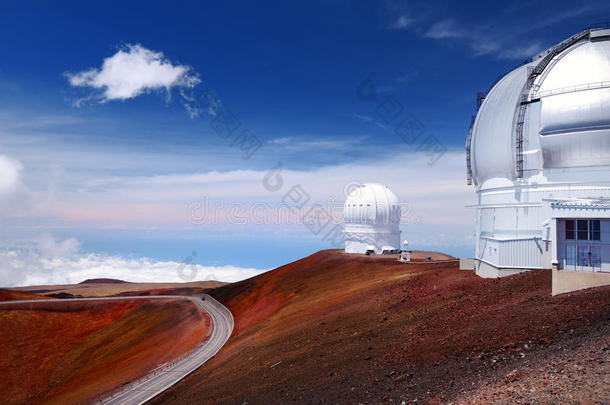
<point>165,368</point>
<point>468,146</point>
<point>527,95</point>
<point>570,89</point>
<point>519,138</point>
<point>533,73</point>
<point>585,256</point>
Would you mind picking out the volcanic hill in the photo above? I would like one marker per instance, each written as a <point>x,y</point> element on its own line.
<point>102,281</point>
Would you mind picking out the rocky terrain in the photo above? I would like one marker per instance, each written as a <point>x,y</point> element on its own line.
<point>334,328</point>
<point>339,328</point>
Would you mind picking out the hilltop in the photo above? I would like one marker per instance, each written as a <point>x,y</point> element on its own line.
<point>102,281</point>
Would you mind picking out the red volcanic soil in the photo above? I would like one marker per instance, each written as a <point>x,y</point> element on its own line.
<point>340,328</point>
<point>12,295</point>
<point>96,288</point>
<point>71,352</point>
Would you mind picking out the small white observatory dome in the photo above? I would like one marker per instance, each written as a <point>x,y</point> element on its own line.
<point>372,217</point>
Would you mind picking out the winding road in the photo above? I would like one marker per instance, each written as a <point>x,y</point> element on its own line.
<point>158,380</point>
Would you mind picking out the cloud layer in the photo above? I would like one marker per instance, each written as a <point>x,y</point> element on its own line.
<point>51,261</point>
<point>132,71</point>
<point>437,193</point>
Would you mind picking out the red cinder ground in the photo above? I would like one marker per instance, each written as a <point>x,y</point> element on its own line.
<point>71,352</point>
<point>110,287</point>
<point>339,328</point>
<point>12,295</point>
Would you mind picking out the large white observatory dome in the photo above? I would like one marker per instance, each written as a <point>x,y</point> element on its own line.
<point>372,217</point>
<point>551,112</point>
<point>540,143</point>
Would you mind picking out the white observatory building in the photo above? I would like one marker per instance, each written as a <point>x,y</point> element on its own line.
<point>538,153</point>
<point>372,217</point>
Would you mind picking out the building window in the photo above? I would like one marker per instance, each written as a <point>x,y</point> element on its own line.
<point>594,228</point>
<point>569,229</point>
<point>583,229</point>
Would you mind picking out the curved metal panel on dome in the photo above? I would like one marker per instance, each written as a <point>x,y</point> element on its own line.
<point>581,67</point>
<point>576,149</point>
<point>580,111</point>
<point>575,115</point>
<point>492,135</point>
<point>372,204</point>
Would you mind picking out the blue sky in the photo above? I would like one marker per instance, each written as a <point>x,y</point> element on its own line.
<point>105,180</point>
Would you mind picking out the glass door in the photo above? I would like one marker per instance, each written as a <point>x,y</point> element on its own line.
<point>583,257</point>
<point>596,258</point>
<point>570,257</point>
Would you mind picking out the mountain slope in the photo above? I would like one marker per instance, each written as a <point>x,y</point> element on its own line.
<point>346,328</point>
<point>12,295</point>
<point>71,352</point>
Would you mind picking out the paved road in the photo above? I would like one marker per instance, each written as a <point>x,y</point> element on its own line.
<point>161,379</point>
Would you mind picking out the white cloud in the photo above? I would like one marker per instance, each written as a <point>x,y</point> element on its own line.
<point>57,262</point>
<point>10,174</point>
<point>402,22</point>
<point>281,141</point>
<point>444,29</point>
<point>485,41</point>
<point>208,104</point>
<point>50,247</point>
<point>364,118</point>
<point>508,35</point>
<point>16,199</point>
<point>132,71</point>
<point>301,145</point>
<point>407,77</point>
<point>437,193</point>
<point>527,50</point>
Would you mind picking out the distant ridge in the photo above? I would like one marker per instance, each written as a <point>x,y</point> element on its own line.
<point>103,281</point>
